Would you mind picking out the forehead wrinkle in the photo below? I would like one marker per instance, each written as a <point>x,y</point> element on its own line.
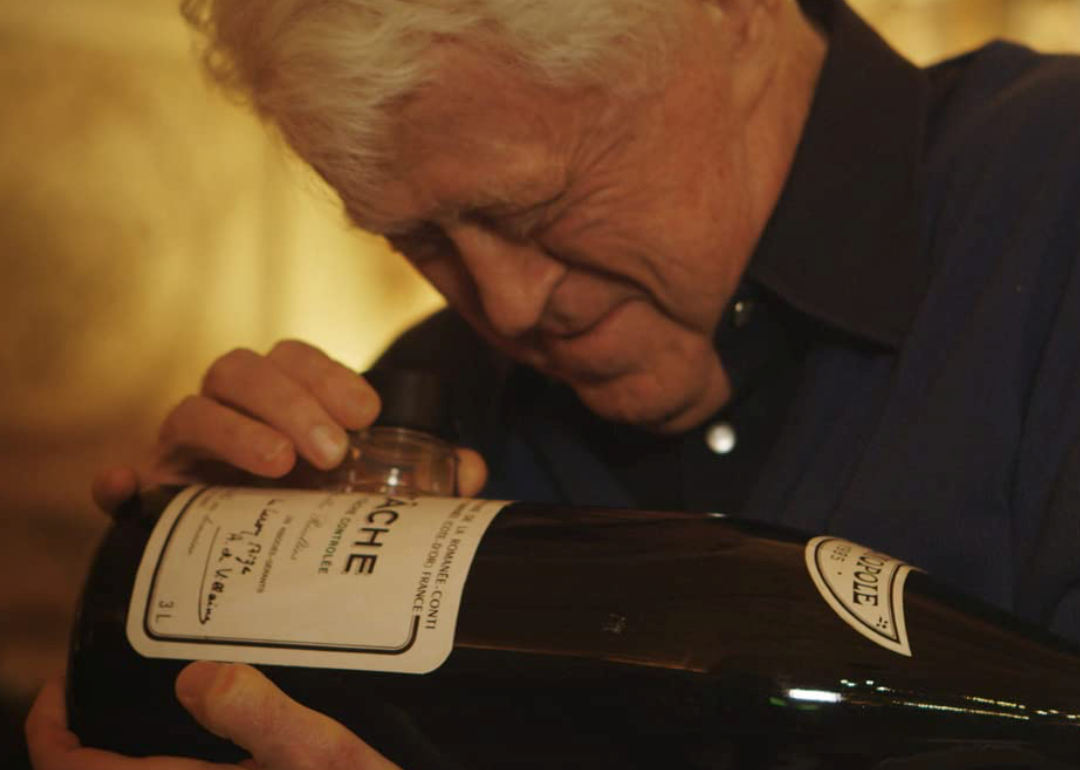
<point>499,190</point>
<point>386,223</point>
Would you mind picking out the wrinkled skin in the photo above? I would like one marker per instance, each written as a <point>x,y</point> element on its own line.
<point>594,238</point>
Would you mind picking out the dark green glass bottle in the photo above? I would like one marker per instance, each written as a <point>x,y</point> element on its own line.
<point>593,638</point>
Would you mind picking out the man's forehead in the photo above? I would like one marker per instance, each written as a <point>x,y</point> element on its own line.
<point>474,140</point>
<point>477,97</point>
<point>463,80</point>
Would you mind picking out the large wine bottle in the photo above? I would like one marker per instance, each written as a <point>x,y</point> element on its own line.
<point>556,637</point>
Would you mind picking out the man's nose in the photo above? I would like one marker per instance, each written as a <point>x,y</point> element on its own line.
<point>514,279</point>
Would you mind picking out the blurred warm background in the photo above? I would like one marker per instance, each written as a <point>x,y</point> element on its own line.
<point>147,225</point>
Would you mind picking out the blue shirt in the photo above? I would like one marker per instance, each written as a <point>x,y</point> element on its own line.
<point>931,224</point>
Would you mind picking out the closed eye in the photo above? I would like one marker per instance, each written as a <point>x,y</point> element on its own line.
<point>421,243</point>
<point>426,239</point>
<point>516,224</point>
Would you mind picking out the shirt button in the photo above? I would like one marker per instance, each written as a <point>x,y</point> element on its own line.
<point>741,312</point>
<point>720,437</point>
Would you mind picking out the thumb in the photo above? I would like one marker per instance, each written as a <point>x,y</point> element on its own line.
<point>238,703</point>
<point>471,472</point>
<point>114,486</point>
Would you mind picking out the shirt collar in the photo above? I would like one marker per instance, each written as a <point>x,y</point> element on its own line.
<point>843,243</point>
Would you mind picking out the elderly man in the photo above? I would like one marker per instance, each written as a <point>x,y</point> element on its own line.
<point>702,254</point>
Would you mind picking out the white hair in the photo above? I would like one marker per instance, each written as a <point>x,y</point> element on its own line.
<point>326,72</point>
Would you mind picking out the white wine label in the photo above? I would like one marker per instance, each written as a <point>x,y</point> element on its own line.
<point>864,587</point>
<point>302,578</point>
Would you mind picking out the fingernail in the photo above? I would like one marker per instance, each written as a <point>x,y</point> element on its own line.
<point>329,444</point>
<point>195,680</point>
<point>276,450</point>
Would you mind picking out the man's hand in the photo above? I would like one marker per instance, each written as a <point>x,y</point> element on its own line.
<point>255,414</point>
<point>233,701</point>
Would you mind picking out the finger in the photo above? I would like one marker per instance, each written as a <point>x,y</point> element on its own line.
<point>47,735</point>
<point>471,472</point>
<point>113,487</point>
<point>345,395</point>
<point>255,385</point>
<point>240,704</point>
<point>201,428</point>
<point>54,747</point>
